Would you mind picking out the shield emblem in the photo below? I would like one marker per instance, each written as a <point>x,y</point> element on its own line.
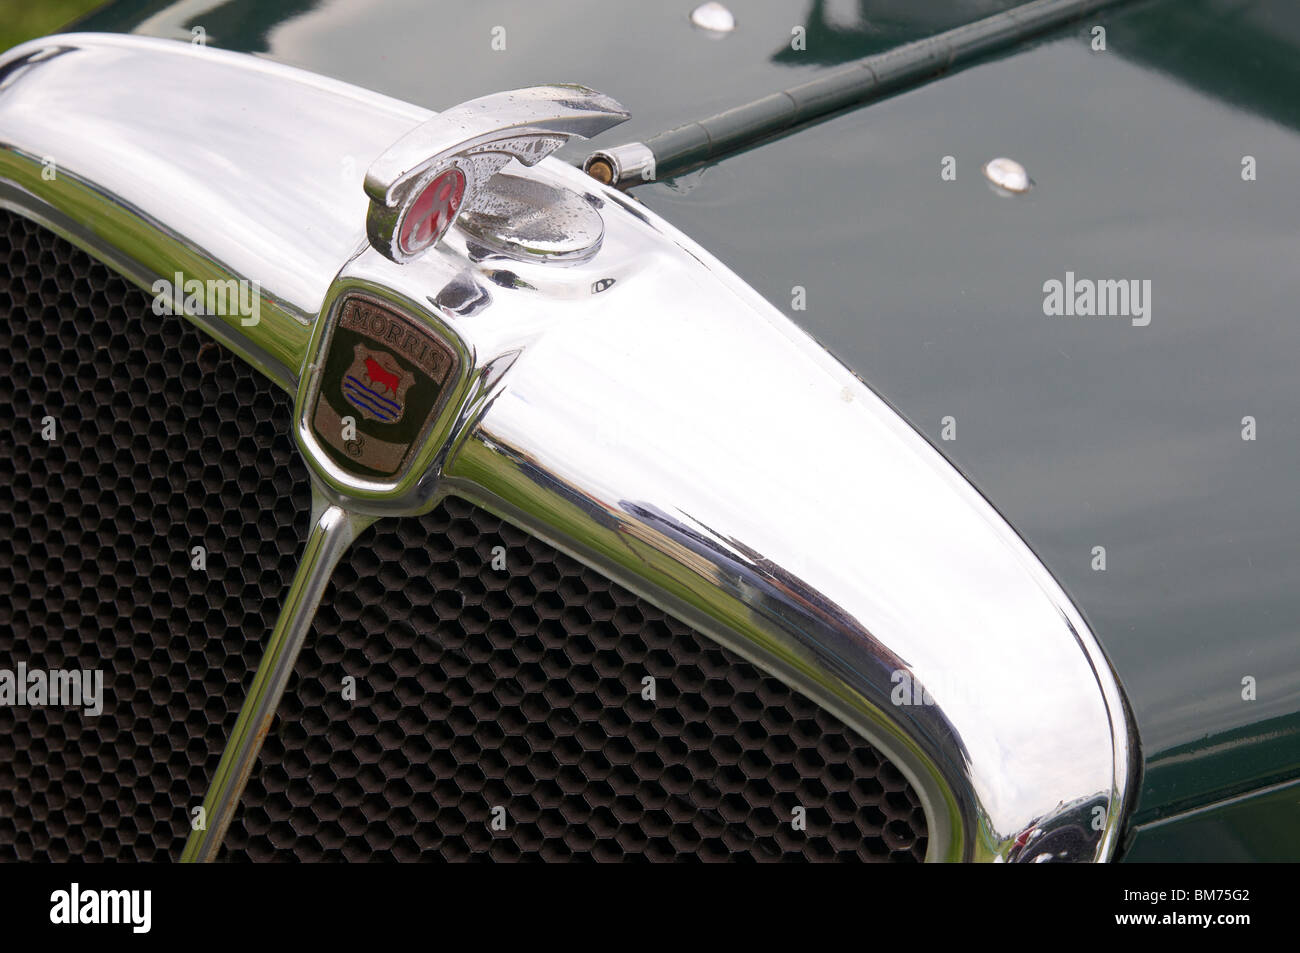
<point>376,384</point>
<point>383,376</point>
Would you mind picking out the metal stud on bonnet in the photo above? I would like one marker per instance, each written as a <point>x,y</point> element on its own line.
<point>1007,176</point>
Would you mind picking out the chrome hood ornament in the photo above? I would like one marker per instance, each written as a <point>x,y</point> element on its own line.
<point>379,375</point>
<point>427,178</point>
<point>624,396</point>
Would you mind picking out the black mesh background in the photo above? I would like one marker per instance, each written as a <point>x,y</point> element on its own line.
<point>164,442</point>
<point>479,688</point>
<point>476,688</point>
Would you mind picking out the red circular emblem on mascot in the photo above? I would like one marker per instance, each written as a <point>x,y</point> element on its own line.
<point>432,212</point>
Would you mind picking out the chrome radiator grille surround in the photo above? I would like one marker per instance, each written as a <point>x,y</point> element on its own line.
<point>476,687</point>
<point>642,409</point>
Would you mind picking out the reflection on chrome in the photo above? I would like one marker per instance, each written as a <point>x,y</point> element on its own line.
<point>640,408</point>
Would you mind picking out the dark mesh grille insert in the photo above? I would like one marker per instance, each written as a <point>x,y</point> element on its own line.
<point>475,687</point>
<point>521,688</point>
<point>164,442</point>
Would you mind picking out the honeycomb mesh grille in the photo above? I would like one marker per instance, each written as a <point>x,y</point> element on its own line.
<point>163,442</point>
<point>475,687</point>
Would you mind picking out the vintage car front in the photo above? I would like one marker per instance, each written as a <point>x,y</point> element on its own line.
<point>796,431</point>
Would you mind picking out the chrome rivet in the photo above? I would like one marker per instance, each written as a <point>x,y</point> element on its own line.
<point>1008,176</point>
<point>713,17</point>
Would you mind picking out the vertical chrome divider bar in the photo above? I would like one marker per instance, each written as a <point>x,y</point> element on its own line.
<point>332,530</point>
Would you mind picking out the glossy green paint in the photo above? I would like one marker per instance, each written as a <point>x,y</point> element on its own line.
<point>1084,432</point>
<point>1256,827</point>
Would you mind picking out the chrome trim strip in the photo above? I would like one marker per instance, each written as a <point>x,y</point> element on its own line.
<point>332,531</point>
<point>642,409</point>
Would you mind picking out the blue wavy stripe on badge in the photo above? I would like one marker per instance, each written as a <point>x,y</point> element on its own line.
<point>363,402</point>
<point>375,394</point>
